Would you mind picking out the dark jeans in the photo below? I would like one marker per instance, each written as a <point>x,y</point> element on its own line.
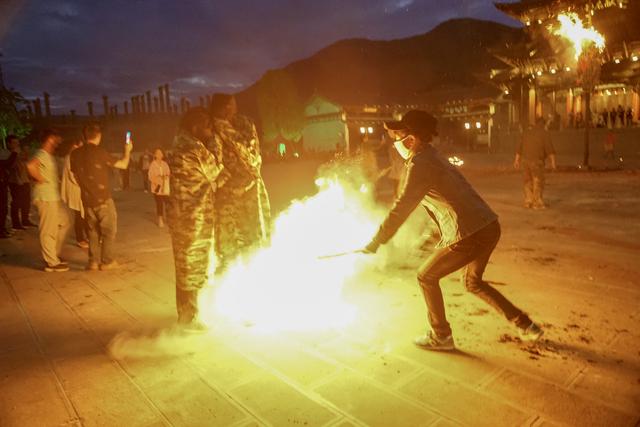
<point>102,222</point>
<point>161,202</point>
<point>80,226</point>
<point>473,253</point>
<point>20,204</point>
<point>4,206</point>
<point>145,179</point>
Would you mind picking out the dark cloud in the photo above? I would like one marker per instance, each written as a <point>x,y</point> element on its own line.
<point>77,49</point>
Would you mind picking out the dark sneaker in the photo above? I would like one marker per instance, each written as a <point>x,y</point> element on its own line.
<point>113,265</point>
<point>56,268</point>
<point>532,333</point>
<point>18,227</point>
<point>4,235</point>
<point>28,224</point>
<point>430,341</point>
<point>92,266</point>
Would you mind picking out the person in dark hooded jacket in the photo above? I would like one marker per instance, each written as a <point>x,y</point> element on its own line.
<point>469,228</point>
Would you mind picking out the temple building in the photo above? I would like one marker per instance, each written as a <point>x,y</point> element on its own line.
<point>542,77</point>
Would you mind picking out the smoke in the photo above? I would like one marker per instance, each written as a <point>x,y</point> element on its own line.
<point>168,342</point>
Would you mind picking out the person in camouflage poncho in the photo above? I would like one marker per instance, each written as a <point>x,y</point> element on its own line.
<point>196,174</point>
<point>243,219</point>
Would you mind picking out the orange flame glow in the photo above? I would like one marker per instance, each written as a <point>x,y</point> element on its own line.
<point>572,28</point>
<point>287,286</point>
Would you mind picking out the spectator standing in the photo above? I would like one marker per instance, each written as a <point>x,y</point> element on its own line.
<point>534,148</point>
<point>71,195</point>
<point>629,117</point>
<point>144,163</point>
<point>159,173</point>
<point>54,218</point>
<point>91,165</point>
<point>19,187</point>
<point>5,166</point>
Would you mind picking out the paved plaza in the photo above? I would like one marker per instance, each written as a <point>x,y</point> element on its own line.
<point>574,268</point>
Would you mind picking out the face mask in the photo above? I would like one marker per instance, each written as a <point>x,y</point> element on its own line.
<point>404,152</point>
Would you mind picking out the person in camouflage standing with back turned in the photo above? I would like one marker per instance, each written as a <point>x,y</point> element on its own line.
<point>195,177</point>
<point>243,212</point>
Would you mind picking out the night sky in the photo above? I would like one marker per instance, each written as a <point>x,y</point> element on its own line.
<point>78,50</point>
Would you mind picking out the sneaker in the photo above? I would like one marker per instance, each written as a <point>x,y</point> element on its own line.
<point>83,244</point>
<point>92,266</point>
<point>18,227</point>
<point>539,206</point>
<point>56,268</point>
<point>109,266</point>
<point>4,235</point>
<point>28,224</point>
<point>430,341</point>
<point>532,333</point>
<point>527,205</point>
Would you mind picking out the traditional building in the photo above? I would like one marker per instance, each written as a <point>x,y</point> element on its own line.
<point>541,76</point>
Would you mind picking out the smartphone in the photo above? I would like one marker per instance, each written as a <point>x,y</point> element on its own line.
<point>128,138</point>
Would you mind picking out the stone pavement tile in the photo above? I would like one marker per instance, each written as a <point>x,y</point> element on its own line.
<point>460,403</point>
<point>278,403</point>
<point>373,405</point>
<point>222,366</point>
<point>128,298</point>
<point>464,366</point>
<point>156,372</point>
<point>617,386</point>
<point>288,359</point>
<point>29,394</point>
<point>113,404</point>
<point>555,403</point>
<point>188,401</point>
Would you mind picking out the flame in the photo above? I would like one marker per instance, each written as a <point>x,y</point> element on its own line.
<point>572,28</point>
<point>286,287</point>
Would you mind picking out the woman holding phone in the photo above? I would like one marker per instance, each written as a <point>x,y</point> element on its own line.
<point>159,182</point>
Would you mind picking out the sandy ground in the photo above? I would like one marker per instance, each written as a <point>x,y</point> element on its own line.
<point>574,268</point>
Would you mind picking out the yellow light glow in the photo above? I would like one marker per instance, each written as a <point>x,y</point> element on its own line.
<point>370,129</point>
<point>286,287</point>
<point>572,28</point>
<point>363,130</point>
<point>634,58</point>
<point>617,60</point>
<point>539,72</point>
<point>467,126</point>
<point>567,69</point>
<point>478,125</point>
<point>553,71</point>
<point>456,161</point>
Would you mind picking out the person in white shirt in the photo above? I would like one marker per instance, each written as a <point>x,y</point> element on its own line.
<point>54,218</point>
<point>159,182</point>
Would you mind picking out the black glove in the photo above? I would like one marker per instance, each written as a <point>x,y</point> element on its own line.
<point>371,248</point>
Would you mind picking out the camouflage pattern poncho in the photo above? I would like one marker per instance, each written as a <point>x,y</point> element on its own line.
<point>243,220</point>
<point>195,176</point>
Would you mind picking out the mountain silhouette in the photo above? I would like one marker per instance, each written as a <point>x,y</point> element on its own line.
<point>454,57</point>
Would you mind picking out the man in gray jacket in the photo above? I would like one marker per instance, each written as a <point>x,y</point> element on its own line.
<point>469,228</point>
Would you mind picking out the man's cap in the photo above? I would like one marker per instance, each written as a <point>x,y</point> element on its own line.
<point>417,121</point>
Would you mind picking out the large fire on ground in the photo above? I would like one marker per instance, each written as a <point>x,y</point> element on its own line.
<point>573,29</point>
<point>290,286</point>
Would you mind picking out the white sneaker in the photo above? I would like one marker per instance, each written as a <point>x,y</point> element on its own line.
<point>430,341</point>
